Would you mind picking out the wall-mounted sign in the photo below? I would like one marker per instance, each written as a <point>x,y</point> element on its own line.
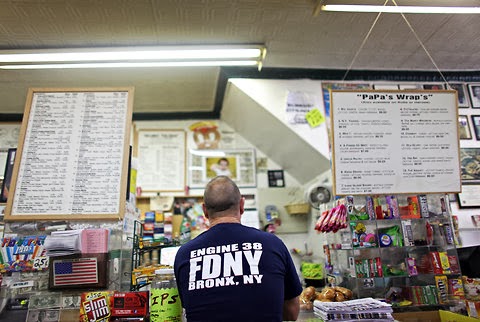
<point>72,156</point>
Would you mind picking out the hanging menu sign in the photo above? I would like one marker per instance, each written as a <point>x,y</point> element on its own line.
<point>393,142</point>
<point>72,159</point>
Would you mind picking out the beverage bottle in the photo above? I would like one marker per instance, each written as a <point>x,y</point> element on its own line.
<point>165,305</point>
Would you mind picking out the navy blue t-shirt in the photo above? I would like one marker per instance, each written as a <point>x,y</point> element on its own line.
<point>235,273</point>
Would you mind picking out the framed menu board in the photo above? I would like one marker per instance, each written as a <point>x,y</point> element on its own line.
<point>395,142</point>
<point>72,156</point>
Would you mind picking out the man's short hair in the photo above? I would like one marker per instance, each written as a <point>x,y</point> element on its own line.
<point>221,194</point>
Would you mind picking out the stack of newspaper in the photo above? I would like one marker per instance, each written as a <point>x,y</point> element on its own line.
<point>366,309</point>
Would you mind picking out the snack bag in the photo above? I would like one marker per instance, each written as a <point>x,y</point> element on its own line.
<point>96,306</point>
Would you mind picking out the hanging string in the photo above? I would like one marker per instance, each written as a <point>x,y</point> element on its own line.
<point>414,33</point>
<point>423,46</point>
<point>363,43</point>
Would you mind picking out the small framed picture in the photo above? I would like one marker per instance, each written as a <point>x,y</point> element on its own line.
<point>462,96</point>
<point>464,128</point>
<point>239,165</point>
<point>474,91</point>
<point>476,126</point>
<point>385,86</point>
<point>469,197</point>
<point>433,86</point>
<point>470,166</point>
<point>275,178</point>
<point>7,176</point>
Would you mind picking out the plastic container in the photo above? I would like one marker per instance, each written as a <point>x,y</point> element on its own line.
<point>165,305</point>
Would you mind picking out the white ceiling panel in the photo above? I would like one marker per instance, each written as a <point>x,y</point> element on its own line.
<point>295,38</point>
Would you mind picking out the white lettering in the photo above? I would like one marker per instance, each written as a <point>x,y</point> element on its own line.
<point>211,267</point>
<point>247,279</point>
<point>214,250</point>
<point>258,278</point>
<point>194,268</point>
<point>229,281</point>
<point>232,265</point>
<point>209,283</point>
<point>253,260</point>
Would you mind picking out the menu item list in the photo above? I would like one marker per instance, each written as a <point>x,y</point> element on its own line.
<point>395,142</point>
<point>73,154</point>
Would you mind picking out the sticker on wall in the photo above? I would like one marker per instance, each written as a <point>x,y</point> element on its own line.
<point>314,118</point>
<point>205,134</point>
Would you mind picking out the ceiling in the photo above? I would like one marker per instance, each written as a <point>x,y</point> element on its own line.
<point>295,37</point>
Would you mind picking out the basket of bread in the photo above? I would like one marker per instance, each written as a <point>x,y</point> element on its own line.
<point>327,294</point>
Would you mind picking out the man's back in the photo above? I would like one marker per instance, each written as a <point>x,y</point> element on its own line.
<point>235,273</point>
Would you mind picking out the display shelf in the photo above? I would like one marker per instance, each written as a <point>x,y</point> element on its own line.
<point>139,250</point>
<point>403,251</point>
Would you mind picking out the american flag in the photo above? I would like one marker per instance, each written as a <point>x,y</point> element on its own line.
<point>75,271</point>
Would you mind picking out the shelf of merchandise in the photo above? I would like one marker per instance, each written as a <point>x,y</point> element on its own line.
<point>381,271</point>
<point>138,251</point>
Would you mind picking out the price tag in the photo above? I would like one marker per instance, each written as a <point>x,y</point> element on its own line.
<point>40,263</point>
<point>314,117</point>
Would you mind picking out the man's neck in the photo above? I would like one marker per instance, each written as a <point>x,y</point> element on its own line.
<point>225,220</point>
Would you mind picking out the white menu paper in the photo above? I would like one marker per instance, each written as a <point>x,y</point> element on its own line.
<point>73,154</point>
<point>395,142</point>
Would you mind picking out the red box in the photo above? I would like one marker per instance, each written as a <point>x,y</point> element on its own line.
<point>130,304</point>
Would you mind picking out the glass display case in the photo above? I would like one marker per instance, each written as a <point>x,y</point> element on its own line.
<point>399,248</point>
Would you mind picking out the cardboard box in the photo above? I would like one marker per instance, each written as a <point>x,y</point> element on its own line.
<point>432,316</point>
<point>419,316</point>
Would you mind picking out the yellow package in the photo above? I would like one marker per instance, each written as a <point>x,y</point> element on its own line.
<point>442,288</point>
<point>96,306</point>
<point>444,262</point>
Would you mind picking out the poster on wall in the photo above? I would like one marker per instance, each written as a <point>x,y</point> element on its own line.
<point>394,142</point>
<point>161,155</point>
<point>469,197</point>
<point>470,165</point>
<point>239,165</point>
<point>72,156</point>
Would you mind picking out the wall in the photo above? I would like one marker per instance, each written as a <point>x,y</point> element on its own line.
<point>271,94</point>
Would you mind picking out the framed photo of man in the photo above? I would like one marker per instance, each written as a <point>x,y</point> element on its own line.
<point>474,90</point>
<point>462,95</point>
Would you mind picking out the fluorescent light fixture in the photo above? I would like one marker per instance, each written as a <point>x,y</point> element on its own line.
<point>400,9</point>
<point>187,56</point>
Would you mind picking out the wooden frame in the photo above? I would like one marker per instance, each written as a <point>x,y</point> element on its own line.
<point>241,166</point>
<point>152,147</point>
<point>464,131</point>
<point>72,156</point>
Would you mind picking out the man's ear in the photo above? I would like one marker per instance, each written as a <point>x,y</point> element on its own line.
<point>205,210</point>
<point>242,205</point>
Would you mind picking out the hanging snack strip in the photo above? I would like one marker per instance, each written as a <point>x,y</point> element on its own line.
<point>332,220</point>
